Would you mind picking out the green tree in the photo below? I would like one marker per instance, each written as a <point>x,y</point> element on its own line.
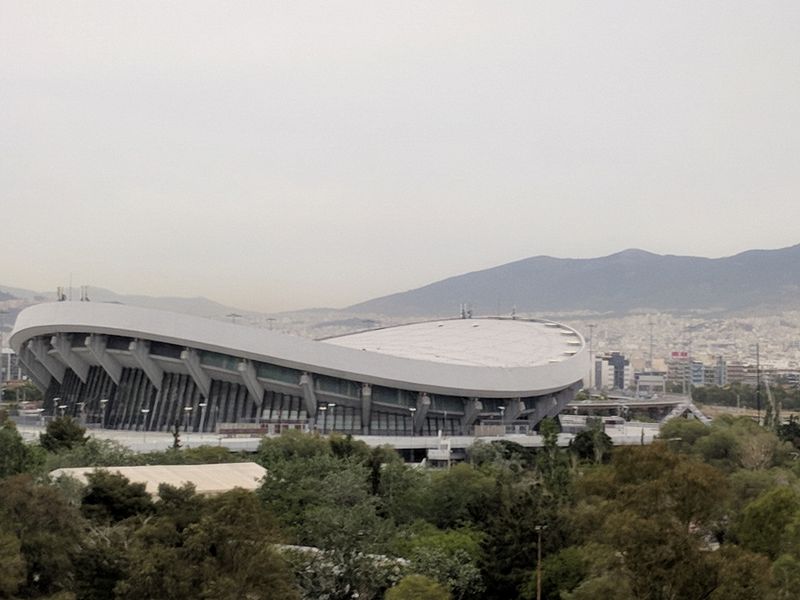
<point>49,532</point>
<point>62,433</point>
<point>790,432</point>
<point>683,432</point>
<point>294,486</point>
<point>450,556</point>
<point>102,562</point>
<point>12,564</point>
<point>762,526</point>
<point>111,497</point>
<point>417,587</point>
<point>291,445</point>
<point>509,549</point>
<point>344,446</point>
<point>561,572</point>
<point>592,444</point>
<point>741,575</point>
<point>226,553</point>
<point>95,452</point>
<point>403,492</point>
<point>458,496</point>
<point>500,454</point>
<point>552,464</point>
<point>15,455</point>
<point>653,508</point>
<point>786,577</point>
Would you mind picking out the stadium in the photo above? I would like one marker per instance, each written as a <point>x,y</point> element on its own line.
<point>131,368</point>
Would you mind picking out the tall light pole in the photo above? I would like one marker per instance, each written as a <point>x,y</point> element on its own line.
<point>502,410</point>
<point>103,405</point>
<point>187,411</point>
<point>202,406</point>
<point>332,405</point>
<point>591,358</point>
<point>539,529</point>
<point>56,402</point>
<point>413,411</point>
<point>324,410</point>
<point>62,408</point>
<point>758,383</point>
<point>145,411</point>
<point>3,372</point>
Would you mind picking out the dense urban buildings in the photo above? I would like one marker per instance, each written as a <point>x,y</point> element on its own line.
<point>132,368</point>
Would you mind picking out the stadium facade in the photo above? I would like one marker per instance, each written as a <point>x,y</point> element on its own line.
<point>125,367</point>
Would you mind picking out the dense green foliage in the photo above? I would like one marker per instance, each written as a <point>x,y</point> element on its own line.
<point>62,433</point>
<point>705,513</point>
<point>739,394</point>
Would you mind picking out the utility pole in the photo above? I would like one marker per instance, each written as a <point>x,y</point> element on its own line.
<point>539,529</point>
<point>3,373</point>
<point>591,357</point>
<point>758,383</point>
<point>650,324</point>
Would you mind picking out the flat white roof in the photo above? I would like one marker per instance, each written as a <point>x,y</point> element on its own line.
<point>491,342</point>
<point>208,479</point>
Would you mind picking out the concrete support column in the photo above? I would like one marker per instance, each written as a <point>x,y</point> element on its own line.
<point>140,350</point>
<point>40,351</point>
<point>472,409</point>
<point>201,379</point>
<point>63,346</point>
<point>250,379</point>
<point>513,410</point>
<point>423,406</point>
<point>97,346</point>
<point>550,406</point>
<point>309,396</point>
<point>366,407</point>
<point>37,372</point>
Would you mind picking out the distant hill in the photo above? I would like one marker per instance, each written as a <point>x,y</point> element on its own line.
<point>198,306</point>
<point>619,283</point>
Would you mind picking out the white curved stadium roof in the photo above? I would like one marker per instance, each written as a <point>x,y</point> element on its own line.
<point>490,358</point>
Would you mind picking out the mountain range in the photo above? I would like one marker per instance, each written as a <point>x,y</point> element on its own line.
<point>627,281</point>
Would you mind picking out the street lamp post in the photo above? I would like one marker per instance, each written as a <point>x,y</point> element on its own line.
<point>187,411</point>
<point>324,410</point>
<point>412,410</point>
<point>539,529</point>
<point>103,405</point>
<point>502,410</point>
<point>202,406</point>
<point>332,405</point>
<point>62,408</point>
<point>56,402</point>
<point>758,383</point>
<point>145,412</point>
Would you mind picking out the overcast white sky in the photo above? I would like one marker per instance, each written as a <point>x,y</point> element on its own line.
<point>281,155</point>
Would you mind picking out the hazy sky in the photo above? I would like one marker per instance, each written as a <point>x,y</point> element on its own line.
<point>292,154</point>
